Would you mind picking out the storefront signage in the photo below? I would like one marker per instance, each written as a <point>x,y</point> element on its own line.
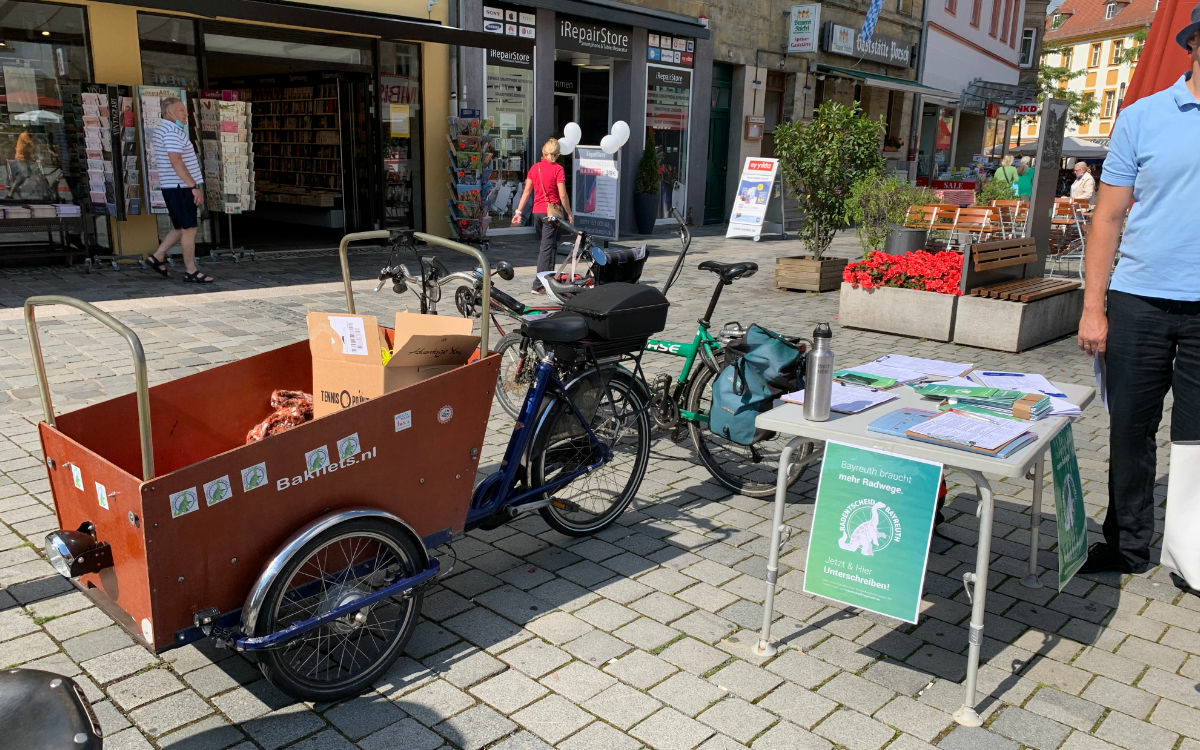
<point>677,50</point>
<point>597,182</point>
<point>843,40</point>
<point>803,26</point>
<point>871,529</point>
<point>394,89</point>
<point>498,19</point>
<point>679,79</point>
<point>589,36</point>
<point>1032,108</point>
<point>510,59</point>
<point>1068,506</point>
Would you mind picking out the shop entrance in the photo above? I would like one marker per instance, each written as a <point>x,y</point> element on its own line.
<point>715,209</point>
<point>582,85</point>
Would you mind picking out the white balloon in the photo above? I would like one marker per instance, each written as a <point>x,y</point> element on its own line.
<point>620,129</point>
<point>610,144</point>
<point>573,132</point>
<point>566,147</point>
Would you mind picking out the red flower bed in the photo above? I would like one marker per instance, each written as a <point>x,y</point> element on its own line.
<point>928,272</point>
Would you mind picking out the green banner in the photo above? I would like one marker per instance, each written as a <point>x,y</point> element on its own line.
<point>871,528</point>
<point>1068,506</point>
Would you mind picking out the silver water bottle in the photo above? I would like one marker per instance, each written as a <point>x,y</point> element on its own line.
<point>818,384</point>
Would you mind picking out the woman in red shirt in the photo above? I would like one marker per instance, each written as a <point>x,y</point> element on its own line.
<point>548,183</point>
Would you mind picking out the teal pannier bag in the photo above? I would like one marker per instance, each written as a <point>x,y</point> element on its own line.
<point>759,368</point>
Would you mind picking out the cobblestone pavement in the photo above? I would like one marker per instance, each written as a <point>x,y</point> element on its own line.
<point>640,636</point>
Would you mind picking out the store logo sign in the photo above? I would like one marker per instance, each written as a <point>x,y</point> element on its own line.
<point>680,79</point>
<point>493,27</point>
<point>493,13</point>
<point>843,40</point>
<point>510,59</point>
<point>586,36</point>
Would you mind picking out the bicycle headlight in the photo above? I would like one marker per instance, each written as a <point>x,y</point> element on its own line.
<point>73,553</point>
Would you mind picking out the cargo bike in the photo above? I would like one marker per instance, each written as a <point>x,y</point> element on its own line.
<point>311,549</point>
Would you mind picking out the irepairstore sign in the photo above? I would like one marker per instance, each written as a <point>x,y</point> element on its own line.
<point>578,35</point>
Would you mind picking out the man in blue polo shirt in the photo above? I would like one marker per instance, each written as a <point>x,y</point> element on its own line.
<point>182,189</point>
<point>1150,333</point>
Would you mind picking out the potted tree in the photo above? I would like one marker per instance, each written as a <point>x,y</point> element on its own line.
<point>645,187</point>
<point>820,162</point>
<point>878,205</point>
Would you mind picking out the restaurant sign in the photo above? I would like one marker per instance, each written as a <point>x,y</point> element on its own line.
<point>889,50</point>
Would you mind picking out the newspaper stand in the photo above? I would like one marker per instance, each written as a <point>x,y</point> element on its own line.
<point>191,531</point>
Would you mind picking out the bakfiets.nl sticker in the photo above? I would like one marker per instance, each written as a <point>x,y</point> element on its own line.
<point>184,502</point>
<point>101,496</point>
<point>254,477</point>
<point>217,490</point>
<point>317,458</point>
<point>77,477</point>
<point>445,414</point>
<point>348,446</point>
<point>403,420</point>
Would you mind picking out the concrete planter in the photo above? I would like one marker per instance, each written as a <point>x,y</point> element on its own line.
<point>1016,326</point>
<point>809,274</point>
<point>906,312</point>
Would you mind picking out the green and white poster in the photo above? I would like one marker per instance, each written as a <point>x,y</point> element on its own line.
<point>1068,506</point>
<point>871,528</point>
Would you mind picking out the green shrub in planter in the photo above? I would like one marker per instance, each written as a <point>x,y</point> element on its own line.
<point>878,204</point>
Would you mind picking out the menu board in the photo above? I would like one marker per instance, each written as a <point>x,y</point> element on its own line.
<point>149,102</point>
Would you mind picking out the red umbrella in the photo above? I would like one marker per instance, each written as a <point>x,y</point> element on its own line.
<point>1162,60</point>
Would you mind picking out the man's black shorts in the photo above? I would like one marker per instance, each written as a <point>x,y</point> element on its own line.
<point>181,206</point>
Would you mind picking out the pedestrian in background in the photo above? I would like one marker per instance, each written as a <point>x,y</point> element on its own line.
<point>1006,173</point>
<point>1149,333</point>
<point>1084,186</point>
<point>182,189</point>
<point>1025,178</point>
<point>548,183</point>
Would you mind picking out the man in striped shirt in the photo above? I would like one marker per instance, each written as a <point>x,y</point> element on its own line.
<point>182,189</point>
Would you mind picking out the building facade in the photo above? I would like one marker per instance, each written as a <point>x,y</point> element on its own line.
<point>1100,40</point>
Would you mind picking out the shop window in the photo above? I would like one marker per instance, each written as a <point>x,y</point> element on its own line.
<point>168,46</point>
<point>1110,103</point>
<point>668,100</point>
<point>1028,37</point>
<point>1118,49</point>
<point>510,107</point>
<point>45,57</point>
<point>1094,58</point>
<point>773,100</point>
<point>402,131</point>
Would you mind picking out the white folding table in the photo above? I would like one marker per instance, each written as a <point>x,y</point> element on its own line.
<point>1028,462</point>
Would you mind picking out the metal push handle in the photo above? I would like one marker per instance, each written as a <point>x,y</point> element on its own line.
<point>383,234</point>
<point>139,367</point>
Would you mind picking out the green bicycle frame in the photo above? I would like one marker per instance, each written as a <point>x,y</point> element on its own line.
<point>702,341</point>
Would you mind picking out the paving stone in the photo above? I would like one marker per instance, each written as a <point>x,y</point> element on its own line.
<point>1081,741</point>
<point>428,638</point>
<point>475,728</point>
<point>552,718</point>
<point>1106,692</point>
<point>118,664</point>
<point>26,648</point>
<point>76,623</point>
<point>1065,709</point>
<point>212,733</point>
<point>802,669</point>
<point>737,718</point>
<point>358,717</point>
<point>1127,731</point>
<point>622,706</point>
<point>403,676</point>
<point>606,615</point>
<point>327,740</point>
<point>897,677</point>
<point>169,713</point>
<point>487,630</point>
<point>256,699</point>
<point>508,691</point>
<point>408,734</point>
<point>786,736</point>
<point>798,705</point>
<point>577,681</point>
<point>97,643</point>
<point>670,730</point>
<point>966,738</point>
<point>914,718</point>
<point>646,634</point>
<point>463,665</point>
<point>694,656</point>
<point>559,627</point>
<point>434,702</point>
<point>705,626</point>
<point>522,740</point>
<point>142,688</point>
<point>1176,718</point>
<point>687,693</point>
<point>847,654</point>
<point>857,693</point>
<point>535,658</point>
<point>599,736</point>
<point>745,680</point>
<point>1174,687</point>
<point>1029,729</point>
<point>283,726</point>
<point>596,648</point>
<point>640,669</point>
<point>217,678</point>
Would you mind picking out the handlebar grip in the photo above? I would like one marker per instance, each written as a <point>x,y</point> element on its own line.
<point>507,301</point>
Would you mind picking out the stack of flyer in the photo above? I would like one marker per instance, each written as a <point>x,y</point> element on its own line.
<point>228,153</point>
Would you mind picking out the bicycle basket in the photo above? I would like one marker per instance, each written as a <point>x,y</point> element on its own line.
<point>613,264</point>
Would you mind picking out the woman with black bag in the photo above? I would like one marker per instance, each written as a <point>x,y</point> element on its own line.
<point>548,183</point>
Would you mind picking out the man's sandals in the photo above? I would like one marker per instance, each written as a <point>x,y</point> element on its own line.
<point>158,265</point>
<point>198,277</point>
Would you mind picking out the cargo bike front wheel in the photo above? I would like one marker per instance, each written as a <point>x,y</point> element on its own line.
<point>348,561</point>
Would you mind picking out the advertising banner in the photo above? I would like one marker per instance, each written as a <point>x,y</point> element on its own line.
<point>871,528</point>
<point>753,197</point>
<point>804,27</point>
<point>597,183</point>
<point>1068,506</point>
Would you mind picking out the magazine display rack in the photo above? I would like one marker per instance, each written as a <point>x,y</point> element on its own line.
<point>470,171</point>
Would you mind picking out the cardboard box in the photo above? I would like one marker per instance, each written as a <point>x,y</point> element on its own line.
<point>348,363</point>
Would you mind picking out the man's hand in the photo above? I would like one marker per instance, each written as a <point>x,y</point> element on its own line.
<point>198,196</point>
<point>1093,332</point>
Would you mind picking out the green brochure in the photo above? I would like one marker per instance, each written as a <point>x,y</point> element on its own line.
<point>1068,506</point>
<point>871,528</point>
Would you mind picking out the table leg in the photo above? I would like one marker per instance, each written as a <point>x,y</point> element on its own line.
<point>977,587</point>
<point>1035,524</point>
<point>765,647</point>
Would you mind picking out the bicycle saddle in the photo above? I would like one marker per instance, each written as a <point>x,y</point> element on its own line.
<point>730,271</point>
<point>559,328</point>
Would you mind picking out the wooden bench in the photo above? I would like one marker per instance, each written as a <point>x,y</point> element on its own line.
<point>1002,308</point>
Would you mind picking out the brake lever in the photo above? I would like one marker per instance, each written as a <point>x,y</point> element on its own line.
<point>385,273</point>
